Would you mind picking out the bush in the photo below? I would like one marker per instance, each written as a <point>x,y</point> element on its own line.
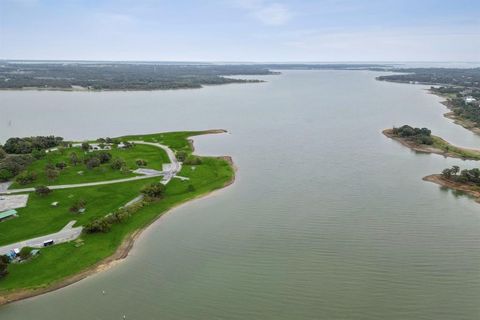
<point>85,146</point>
<point>3,154</point>
<point>42,190</point>
<point>26,177</point>
<point>155,190</point>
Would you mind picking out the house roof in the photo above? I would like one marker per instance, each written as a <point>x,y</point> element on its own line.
<point>8,213</point>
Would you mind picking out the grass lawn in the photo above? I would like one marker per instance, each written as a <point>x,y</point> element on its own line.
<point>60,261</point>
<point>458,151</point>
<point>154,156</point>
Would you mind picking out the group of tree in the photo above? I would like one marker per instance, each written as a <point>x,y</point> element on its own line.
<point>12,165</point>
<point>418,135</point>
<point>104,224</point>
<point>463,176</point>
<point>29,144</point>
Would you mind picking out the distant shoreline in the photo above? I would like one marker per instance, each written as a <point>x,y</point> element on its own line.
<point>453,151</point>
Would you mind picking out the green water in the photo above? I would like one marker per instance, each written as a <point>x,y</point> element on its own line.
<point>328,219</point>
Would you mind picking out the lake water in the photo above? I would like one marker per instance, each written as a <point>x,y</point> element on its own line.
<point>328,219</point>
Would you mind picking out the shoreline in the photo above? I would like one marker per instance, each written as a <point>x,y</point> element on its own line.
<point>465,123</point>
<point>469,189</point>
<point>120,254</point>
<point>430,149</point>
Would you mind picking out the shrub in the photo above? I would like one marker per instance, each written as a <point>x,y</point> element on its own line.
<point>5,175</point>
<point>38,154</point>
<point>85,146</point>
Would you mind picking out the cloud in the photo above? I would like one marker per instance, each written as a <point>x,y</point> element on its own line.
<point>268,13</point>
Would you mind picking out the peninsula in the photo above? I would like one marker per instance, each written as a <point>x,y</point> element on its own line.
<point>69,209</point>
<point>421,140</point>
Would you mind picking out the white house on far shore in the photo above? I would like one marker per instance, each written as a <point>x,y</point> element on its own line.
<point>469,99</point>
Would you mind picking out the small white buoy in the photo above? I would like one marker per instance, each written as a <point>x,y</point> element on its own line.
<point>103,291</point>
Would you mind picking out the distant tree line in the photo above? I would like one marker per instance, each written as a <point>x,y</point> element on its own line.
<point>463,176</point>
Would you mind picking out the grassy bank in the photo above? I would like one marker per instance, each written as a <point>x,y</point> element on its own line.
<point>57,265</point>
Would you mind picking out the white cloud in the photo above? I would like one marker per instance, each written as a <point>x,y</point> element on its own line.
<point>269,13</point>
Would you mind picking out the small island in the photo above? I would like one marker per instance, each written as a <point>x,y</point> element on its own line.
<point>421,140</point>
<point>467,180</point>
<point>69,209</point>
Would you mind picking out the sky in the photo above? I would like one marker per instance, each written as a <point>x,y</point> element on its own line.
<point>241,30</point>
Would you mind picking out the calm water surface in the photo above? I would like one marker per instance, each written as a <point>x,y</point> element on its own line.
<point>328,219</point>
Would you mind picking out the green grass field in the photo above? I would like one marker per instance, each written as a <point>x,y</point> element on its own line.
<point>154,156</point>
<point>60,261</point>
<point>443,145</point>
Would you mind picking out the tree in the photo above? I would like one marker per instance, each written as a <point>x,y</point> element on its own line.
<point>92,162</point>
<point>181,155</point>
<point>155,190</point>
<point>60,165</point>
<point>5,175</point>
<point>455,170</point>
<point>85,146</point>
<point>141,162</point>
<point>78,205</point>
<point>117,164</point>
<point>3,265</point>
<point>104,156</point>
<point>193,160</point>
<point>25,253</point>
<point>74,160</point>
<point>51,174</point>
<point>42,190</point>
<point>3,154</point>
<point>38,154</point>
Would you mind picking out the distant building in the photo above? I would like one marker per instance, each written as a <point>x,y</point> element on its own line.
<point>469,99</point>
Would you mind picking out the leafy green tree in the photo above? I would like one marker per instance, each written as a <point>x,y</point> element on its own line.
<point>74,160</point>
<point>93,162</point>
<point>25,253</point>
<point>117,164</point>
<point>52,174</point>
<point>42,190</point>
<point>3,266</point>
<point>155,190</point>
<point>85,146</point>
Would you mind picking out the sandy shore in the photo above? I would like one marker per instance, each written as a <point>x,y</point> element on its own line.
<point>120,254</point>
<point>469,189</point>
